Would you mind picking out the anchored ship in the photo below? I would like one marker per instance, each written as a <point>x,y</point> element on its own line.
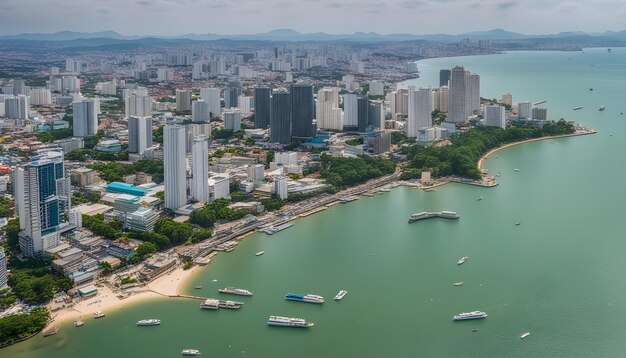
<point>469,315</point>
<point>235,291</point>
<point>149,322</point>
<point>288,322</point>
<point>340,295</point>
<point>304,298</point>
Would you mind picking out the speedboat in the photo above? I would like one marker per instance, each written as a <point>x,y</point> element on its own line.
<point>190,352</point>
<point>462,260</point>
<point>458,283</point>
<point>524,335</point>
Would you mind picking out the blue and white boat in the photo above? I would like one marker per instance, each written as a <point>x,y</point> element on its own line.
<point>304,298</point>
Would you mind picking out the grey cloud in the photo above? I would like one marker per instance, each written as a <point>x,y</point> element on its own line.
<point>506,5</point>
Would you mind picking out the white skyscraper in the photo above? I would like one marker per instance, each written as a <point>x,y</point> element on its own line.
<point>420,110</point>
<point>327,109</point>
<point>456,96</point>
<point>212,97</point>
<point>17,107</point>
<point>139,134</point>
<point>245,104</point>
<point>472,92</point>
<point>524,110</point>
<point>495,116</point>
<point>350,109</point>
<point>280,187</point>
<point>399,103</point>
<point>40,97</point>
<point>165,74</point>
<point>137,105</point>
<point>348,81</point>
<point>443,99</point>
<point>85,118</point>
<point>175,168</point>
<point>232,119</point>
<point>200,170</point>
<point>376,88</point>
<point>199,111</point>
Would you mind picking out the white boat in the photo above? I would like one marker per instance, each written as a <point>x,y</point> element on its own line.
<point>601,108</point>
<point>149,322</point>
<point>524,335</point>
<point>517,170</point>
<point>190,352</point>
<point>79,323</point>
<point>98,314</point>
<point>340,295</point>
<point>235,291</point>
<point>259,253</point>
<point>458,283</point>
<point>309,298</point>
<point>288,322</point>
<point>462,260</point>
<point>481,198</point>
<point>469,315</point>
<point>51,332</point>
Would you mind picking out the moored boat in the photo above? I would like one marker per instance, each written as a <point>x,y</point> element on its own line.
<point>79,323</point>
<point>210,304</point>
<point>149,322</point>
<point>51,332</point>
<point>190,352</point>
<point>469,315</point>
<point>288,322</point>
<point>235,291</point>
<point>340,295</point>
<point>98,314</point>
<point>309,298</point>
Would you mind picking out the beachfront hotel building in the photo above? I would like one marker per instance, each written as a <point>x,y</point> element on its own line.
<point>495,116</point>
<point>420,110</point>
<point>42,200</point>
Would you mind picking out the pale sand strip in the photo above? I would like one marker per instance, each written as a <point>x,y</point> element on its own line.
<point>577,133</point>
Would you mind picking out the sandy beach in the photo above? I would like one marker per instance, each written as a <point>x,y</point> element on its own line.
<point>577,133</point>
<point>169,284</point>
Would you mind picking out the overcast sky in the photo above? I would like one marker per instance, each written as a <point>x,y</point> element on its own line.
<point>174,17</point>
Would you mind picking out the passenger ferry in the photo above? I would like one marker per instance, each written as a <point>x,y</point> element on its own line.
<point>190,352</point>
<point>235,291</point>
<point>309,298</point>
<point>149,322</point>
<point>469,315</point>
<point>288,322</point>
<point>340,295</point>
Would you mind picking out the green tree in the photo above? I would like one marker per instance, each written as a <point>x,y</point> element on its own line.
<point>11,231</point>
<point>146,248</point>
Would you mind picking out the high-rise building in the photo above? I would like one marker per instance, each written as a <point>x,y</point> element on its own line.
<point>376,114</point>
<point>231,97</point>
<point>376,88</point>
<point>262,107</point>
<point>245,104</point>
<point>327,109</point>
<point>17,107</point>
<point>524,110</point>
<point>212,97</point>
<point>507,99</point>
<point>350,111</point>
<point>139,134</point>
<point>200,170</point>
<point>232,119</point>
<point>280,187</point>
<point>42,197</point>
<point>73,66</point>
<point>183,100</point>
<point>256,172</point>
<point>165,75</point>
<point>540,114</point>
<point>85,117</point>
<point>456,96</point>
<point>3,269</point>
<point>175,168</point>
<point>495,116</point>
<point>302,108</point>
<point>444,77</point>
<point>363,107</point>
<point>420,110</point>
<point>472,92</point>
<point>280,117</point>
<point>40,97</point>
<point>399,103</point>
<point>443,98</point>
<point>136,105</point>
<point>199,111</point>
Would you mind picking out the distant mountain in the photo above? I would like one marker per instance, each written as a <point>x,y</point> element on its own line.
<point>292,35</point>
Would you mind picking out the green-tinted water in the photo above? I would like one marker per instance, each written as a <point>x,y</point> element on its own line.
<point>558,275</point>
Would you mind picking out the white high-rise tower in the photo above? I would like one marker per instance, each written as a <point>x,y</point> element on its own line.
<point>200,170</point>
<point>175,168</point>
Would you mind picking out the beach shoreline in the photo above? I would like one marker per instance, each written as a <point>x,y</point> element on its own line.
<point>494,150</point>
<point>168,285</point>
